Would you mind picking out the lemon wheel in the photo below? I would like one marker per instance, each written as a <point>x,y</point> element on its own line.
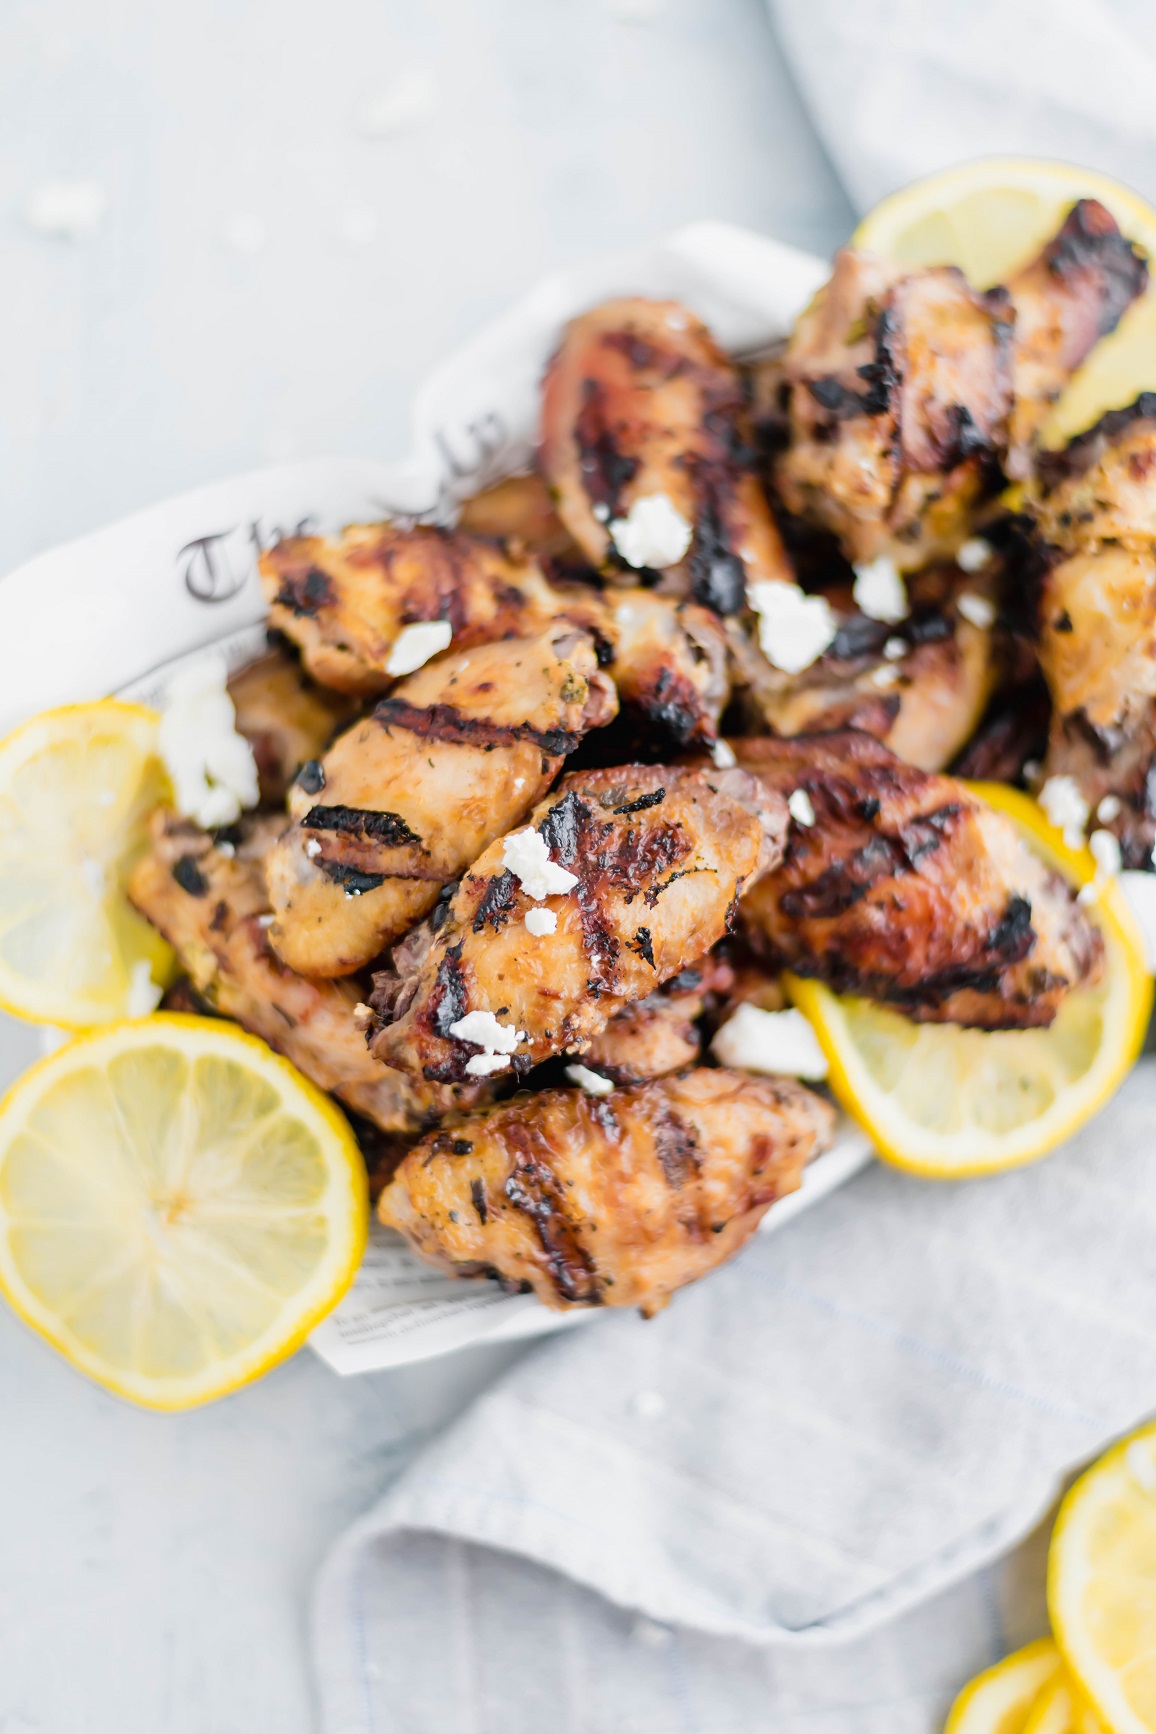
<point>999,1700</point>
<point>991,216</point>
<point>178,1207</point>
<point>77,786</point>
<point>1102,1585</point>
<point>949,1102</point>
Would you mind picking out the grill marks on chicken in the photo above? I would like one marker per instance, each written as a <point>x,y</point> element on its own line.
<point>661,856</point>
<point>907,390</point>
<point>607,1201</point>
<point>285,717</point>
<point>909,890</point>
<point>639,400</point>
<point>924,703</point>
<point>1096,511</point>
<point>345,602</point>
<point>212,909</point>
<point>670,667</point>
<point>406,799</point>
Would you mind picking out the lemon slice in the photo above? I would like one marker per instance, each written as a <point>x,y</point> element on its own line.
<point>999,1700</point>
<point>991,216</point>
<point>178,1207</point>
<point>76,788</point>
<point>949,1102</point>
<point>1102,1585</point>
<point>1054,1711</point>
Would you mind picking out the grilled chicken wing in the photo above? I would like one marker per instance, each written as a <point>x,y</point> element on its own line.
<point>519,509</point>
<point>285,717</point>
<point>607,1201</point>
<point>650,1038</point>
<point>660,856</point>
<point>670,667</point>
<point>211,907</point>
<point>1096,510</point>
<point>909,890</point>
<point>639,401</point>
<point>920,686</point>
<point>345,602</point>
<point>407,798</point>
<point>907,389</point>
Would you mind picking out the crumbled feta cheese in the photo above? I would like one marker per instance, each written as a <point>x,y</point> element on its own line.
<point>483,1029</point>
<point>723,756</point>
<point>978,610</point>
<point>1105,848</point>
<point>653,533</point>
<point>800,808</point>
<point>65,210</point>
<point>414,645</point>
<point>1110,808</point>
<point>526,855</point>
<point>213,772</point>
<point>974,555</point>
<point>895,649</point>
<point>879,591</point>
<point>312,848</point>
<point>266,920</point>
<point>601,512</point>
<point>401,106</point>
<point>228,850</point>
<point>144,996</point>
<point>482,1065</point>
<point>1140,895</point>
<point>1033,770</point>
<point>753,1040</point>
<point>594,1082</point>
<point>887,676</point>
<point>794,628</point>
<point>1066,808</point>
<point>540,922</point>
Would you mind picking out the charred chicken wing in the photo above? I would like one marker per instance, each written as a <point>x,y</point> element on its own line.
<point>286,718</point>
<point>212,908</point>
<point>907,889</point>
<point>407,798</point>
<point>645,445</point>
<point>648,863</point>
<point>607,1201</point>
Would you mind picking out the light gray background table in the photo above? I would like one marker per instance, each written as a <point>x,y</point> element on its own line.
<point>268,281</point>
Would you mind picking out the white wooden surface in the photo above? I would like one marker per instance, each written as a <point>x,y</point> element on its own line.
<point>268,282</point>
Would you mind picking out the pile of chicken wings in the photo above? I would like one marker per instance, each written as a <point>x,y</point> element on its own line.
<point>548,794</point>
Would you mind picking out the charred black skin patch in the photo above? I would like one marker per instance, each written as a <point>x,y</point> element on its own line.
<point>496,900</point>
<point>189,876</point>
<point>643,802</point>
<point>675,1145</point>
<point>449,992</point>
<point>306,596</point>
<point>366,823</point>
<point>534,1189</point>
<point>444,722</point>
<point>311,777</point>
<point>353,882</point>
<point>478,1195</point>
<point>718,577</point>
<point>605,469</point>
<point>644,945</point>
<point>1089,243</point>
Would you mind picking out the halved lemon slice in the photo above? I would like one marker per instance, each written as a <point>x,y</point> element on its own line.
<point>1102,1585</point>
<point>999,1700</point>
<point>989,217</point>
<point>949,1102</point>
<point>178,1207</point>
<point>76,788</point>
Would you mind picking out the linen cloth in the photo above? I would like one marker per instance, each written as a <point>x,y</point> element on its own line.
<point>776,1505</point>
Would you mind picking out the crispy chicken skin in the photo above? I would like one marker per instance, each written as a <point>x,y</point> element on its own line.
<point>286,718</point>
<point>1096,512</point>
<point>909,890</point>
<point>639,400</point>
<point>669,665</point>
<point>649,1039</point>
<point>607,1201</point>
<point>407,798</point>
<point>924,703</point>
<point>1075,292</point>
<point>906,390</point>
<point>209,906</point>
<point>346,601</point>
<point>519,509</point>
<point>661,856</point>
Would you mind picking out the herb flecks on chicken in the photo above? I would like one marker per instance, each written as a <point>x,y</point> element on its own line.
<point>212,907</point>
<point>607,1201</point>
<point>404,801</point>
<point>660,856</point>
<point>644,420</point>
<point>907,889</point>
<point>908,392</point>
